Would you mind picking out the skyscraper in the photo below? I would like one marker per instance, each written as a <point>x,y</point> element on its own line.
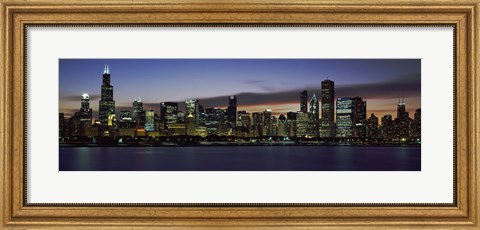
<point>345,115</point>
<point>417,125</point>
<point>232,112</point>
<point>106,104</point>
<point>292,123</point>
<point>303,124</point>
<point>243,123</point>
<point>387,127</point>
<point>372,126</point>
<point>149,120</point>
<point>303,101</point>
<point>327,125</point>
<point>359,117</point>
<point>191,127</point>
<point>168,113</point>
<point>137,110</point>
<point>267,123</point>
<point>61,125</point>
<point>257,124</point>
<point>282,126</point>
<point>402,121</point>
<point>191,107</point>
<point>85,110</point>
<point>314,116</point>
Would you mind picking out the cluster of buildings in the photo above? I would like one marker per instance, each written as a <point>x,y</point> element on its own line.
<point>316,119</point>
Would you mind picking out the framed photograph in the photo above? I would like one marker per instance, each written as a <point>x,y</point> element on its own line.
<point>244,114</point>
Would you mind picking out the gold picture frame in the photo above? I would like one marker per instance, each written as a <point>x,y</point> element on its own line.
<point>17,14</point>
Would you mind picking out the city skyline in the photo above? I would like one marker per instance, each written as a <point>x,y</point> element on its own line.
<point>268,83</point>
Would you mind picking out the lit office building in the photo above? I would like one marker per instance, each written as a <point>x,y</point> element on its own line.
<point>243,123</point>
<point>168,113</point>
<point>314,116</point>
<point>201,131</point>
<point>106,104</point>
<point>62,125</point>
<point>177,129</point>
<point>191,126</point>
<point>417,125</point>
<point>372,127</point>
<point>85,110</point>
<point>303,124</point>
<point>232,111</point>
<point>344,117</point>
<point>303,101</point>
<point>291,124</point>
<point>126,124</point>
<point>257,124</point>
<point>149,120</point>
<point>267,128</point>
<point>125,115</point>
<point>137,110</point>
<point>181,117</point>
<point>327,125</point>
<point>402,122</point>
<point>282,129</point>
<point>387,128</point>
<point>359,117</point>
<point>191,108</point>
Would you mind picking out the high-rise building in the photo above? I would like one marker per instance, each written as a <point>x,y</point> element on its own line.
<point>267,129</point>
<point>387,128</point>
<point>303,101</point>
<point>359,117</point>
<point>126,122</point>
<point>257,124</point>
<point>345,115</point>
<point>327,126</point>
<point>303,124</point>
<point>149,120</point>
<point>282,129</point>
<point>274,126</point>
<point>191,107</point>
<point>372,127</point>
<point>181,117</point>
<point>314,116</point>
<point>417,125</point>
<point>232,112</point>
<point>243,123</point>
<point>137,110</point>
<point>191,126</point>
<point>125,115</point>
<point>402,121</point>
<point>168,113</point>
<point>292,123</point>
<point>106,104</point>
<point>62,125</point>
<point>85,110</point>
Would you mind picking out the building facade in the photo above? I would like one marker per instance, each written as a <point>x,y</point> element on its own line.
<point>359,118</point>
<point>345,115</point>
<point>304,101</point>
<point>232,112</point>
<point>327,122</point>
<point>106,104</point>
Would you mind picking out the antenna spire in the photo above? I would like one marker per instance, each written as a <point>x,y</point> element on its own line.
<point>106,70</point>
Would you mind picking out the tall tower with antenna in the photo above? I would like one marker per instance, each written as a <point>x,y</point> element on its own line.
<point>107,104</point>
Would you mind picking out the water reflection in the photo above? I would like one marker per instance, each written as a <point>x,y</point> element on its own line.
<point>247,158</point>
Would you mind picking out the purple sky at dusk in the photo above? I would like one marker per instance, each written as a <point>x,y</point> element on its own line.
<point>258,83</point>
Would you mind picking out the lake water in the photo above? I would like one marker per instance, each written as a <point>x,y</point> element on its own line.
<point>241,158</point>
